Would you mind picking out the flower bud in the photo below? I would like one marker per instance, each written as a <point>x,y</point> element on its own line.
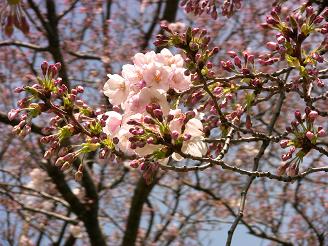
<point>148,120</point>
<point>318,19</point>
<point>251,59</point>
<point>232,54</point>
<point>58,66</point>
<point>18,89</point>
<point>294,123</point>
<point>44,67</point>
<point>272,46</point>
<point>309,135</point>
<point>298,116</point>
<point>12,114</point>
<point>150,140</point>
<point>175,135</point>
<point>285,157</point>
<point>186,137</point>
<point>158,113</point>
<point>271,21</point>
<point>313,115</point>
<point>237,61</point>
<point>134,164</point>
<point>309,11</point>
<point>284,143</point>
<point>248,122</point>
<point>115,140</point>
<point>321,133</point>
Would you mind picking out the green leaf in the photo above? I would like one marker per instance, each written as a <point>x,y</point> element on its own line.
<point>249,100</point>
<point>292,61</point>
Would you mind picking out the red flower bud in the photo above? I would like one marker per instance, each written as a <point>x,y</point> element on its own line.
<point>284,143</point>
<point>309,135</point>
<point>321,133</point>
<point>313,115</point>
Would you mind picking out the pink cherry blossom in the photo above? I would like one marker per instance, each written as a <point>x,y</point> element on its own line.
<point>194,144</point>
<point>178,81</point>
<point>137,103</point>
<point>178,27</point>
<point>113,122</point>
<point>141,59</point>
<point>133,74</point>
<point>166,58</point>
<point>116,89</point>
<point>156,76</point>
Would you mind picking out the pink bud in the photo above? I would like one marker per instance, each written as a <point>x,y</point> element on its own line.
<point>58,65</point>
<point>318,19</point>
<point>284,143</point>
<point>44,67</point>
<point>272,46</point>
<point>321,133</point>
<point>237,61</point>
<point>134,164</point>
<point>150,140</point>
<point>175,135</point>
<point>309,135</point>
<point>270,20</point>
<point>313,115</point>
<point>245,71</point>
<point>248,122</point>
<point>186,137</point>
<point>251,59</point>
<point>292,170</point>
<point>231,53</point>
<point>324,30</point>
<point>285,157</point>
<point>18,89</point>
<point>12,114</point>
<point>292,150</point>
<point>309,11</point>
<point>148,120</point>
<point>281,39</point>
<point>298,115</point>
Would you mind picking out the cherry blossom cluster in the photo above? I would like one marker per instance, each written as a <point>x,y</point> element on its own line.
<point>148,127</point>
<point>12,15</point>
<point>198,7</point>
<point>305,136</point>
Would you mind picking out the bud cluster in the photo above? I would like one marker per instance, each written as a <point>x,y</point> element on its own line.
<point>296,27</point>
<point>73,117</point>
<point>305,135</point>
<point>11,16</point>
<point>210,7</point>
<point>244,65</point>
<point>149,168</point>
